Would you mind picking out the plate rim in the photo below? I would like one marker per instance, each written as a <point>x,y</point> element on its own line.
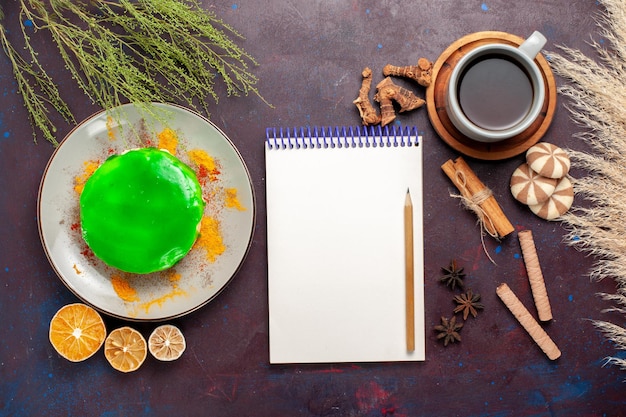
<point>126,317</point>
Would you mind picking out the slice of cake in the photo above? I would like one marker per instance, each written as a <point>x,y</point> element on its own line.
<point>140,211</point>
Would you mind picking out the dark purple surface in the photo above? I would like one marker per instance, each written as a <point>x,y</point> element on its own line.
<point>311,54</point>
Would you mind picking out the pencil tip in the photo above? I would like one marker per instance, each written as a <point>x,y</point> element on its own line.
<point>407,198</point>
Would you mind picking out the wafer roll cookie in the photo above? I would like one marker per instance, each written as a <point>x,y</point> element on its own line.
<point>527,321</point>
<point>535,276</point>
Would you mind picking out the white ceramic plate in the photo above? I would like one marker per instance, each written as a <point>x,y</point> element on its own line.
<point>196,279</point>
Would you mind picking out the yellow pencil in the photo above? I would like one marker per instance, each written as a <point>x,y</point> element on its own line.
<point>409,271</point>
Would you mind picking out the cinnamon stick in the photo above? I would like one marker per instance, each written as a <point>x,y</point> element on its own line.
<point>527,321</point>
<point>535,276</point>
<point>478,198</point>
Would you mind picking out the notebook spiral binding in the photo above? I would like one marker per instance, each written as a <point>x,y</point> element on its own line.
<point>341,137</point>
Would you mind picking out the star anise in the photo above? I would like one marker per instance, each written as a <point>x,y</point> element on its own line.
<point>453,276</point>
<point>448,330</point>
<point>468,303</point>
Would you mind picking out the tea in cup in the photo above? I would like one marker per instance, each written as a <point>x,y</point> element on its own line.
<point>496,91</point>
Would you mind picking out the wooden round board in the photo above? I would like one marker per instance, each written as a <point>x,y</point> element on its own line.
<point>435,101</point>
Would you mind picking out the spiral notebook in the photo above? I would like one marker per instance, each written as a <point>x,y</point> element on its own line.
<point>335,243</point>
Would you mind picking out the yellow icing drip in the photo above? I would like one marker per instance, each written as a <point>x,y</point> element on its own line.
<point>210,238</point>
<point>173,276</point>
<point>232,201</point>
<point>88,168</point>
<point>110,132</point>
<point>207,167</point>
<point>176,292</point>
<point>123,289</point>
<point>201,158</point>
<point>168,140</point>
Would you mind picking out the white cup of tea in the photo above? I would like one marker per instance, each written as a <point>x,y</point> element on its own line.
<point>496,91</point>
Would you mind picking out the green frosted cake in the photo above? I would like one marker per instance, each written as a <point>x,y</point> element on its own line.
<point>140,211</point>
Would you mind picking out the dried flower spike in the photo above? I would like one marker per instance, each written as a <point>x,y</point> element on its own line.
<point>448,330</point>
<point>368,113</point>
<point>138,51</point>
<point>453,276</point>
<point>468,303</point>
<point>422,72</point>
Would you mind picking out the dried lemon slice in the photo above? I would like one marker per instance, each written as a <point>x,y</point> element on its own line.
<point>125,349</point>
<point>167,343</point>
<point>77,332</point>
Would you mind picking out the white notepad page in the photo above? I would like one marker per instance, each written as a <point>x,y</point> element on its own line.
<point>335,242</point>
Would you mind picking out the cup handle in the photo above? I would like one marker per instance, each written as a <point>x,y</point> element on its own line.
<point>533,45</point>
